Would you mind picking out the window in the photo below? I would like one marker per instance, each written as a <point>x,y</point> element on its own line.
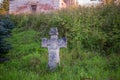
<point>33,7</point>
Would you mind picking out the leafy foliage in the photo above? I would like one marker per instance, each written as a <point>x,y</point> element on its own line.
<point>90,32</point>
<point>95,29</point>
<point>4,7</point>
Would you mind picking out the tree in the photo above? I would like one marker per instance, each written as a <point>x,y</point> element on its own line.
<point>6,25</point>
<point>110,1</point>
<point>4,7</point>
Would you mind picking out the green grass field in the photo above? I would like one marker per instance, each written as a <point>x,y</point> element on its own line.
<point>92,53</point>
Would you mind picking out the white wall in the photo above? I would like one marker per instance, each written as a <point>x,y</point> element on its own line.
<point>88,2</point>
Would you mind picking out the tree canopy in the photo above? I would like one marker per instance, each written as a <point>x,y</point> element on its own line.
<point>4,7</point>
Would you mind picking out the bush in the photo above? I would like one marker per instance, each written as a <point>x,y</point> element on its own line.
<point>94,29</point>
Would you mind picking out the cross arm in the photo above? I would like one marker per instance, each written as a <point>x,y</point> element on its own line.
<point>44,42</point>
<point>62,42</point>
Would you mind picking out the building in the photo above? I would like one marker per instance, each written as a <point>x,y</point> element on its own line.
<point>90,2</point>
<point>97,2</point>
<point>37,6</point>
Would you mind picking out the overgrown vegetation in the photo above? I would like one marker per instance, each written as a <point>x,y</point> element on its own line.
<point>92,52</point>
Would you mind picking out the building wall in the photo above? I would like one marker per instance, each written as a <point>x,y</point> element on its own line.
<point>29,6</point>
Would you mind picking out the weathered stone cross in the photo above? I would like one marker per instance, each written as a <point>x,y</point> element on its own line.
<point>53,45</point>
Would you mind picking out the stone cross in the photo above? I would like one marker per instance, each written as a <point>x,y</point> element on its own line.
<point>53,45</point>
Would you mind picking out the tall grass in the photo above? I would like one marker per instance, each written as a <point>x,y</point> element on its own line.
<point>92,51</point>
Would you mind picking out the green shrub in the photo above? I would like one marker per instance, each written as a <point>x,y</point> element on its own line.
<point>95,29</point>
